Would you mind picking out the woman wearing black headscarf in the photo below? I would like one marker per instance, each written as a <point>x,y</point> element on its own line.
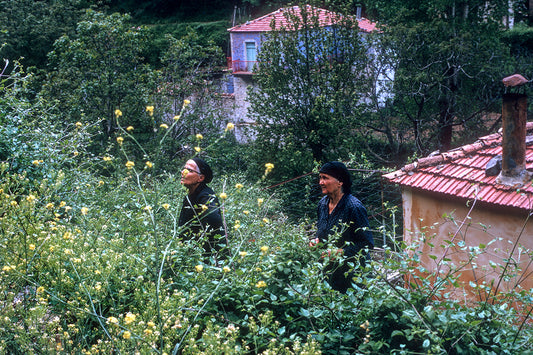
<point>200,215</point>
<point>340,211</point>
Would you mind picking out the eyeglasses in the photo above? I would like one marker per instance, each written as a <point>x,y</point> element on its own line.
<point>190,170</point>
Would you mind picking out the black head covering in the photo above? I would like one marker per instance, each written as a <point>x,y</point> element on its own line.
<point>205,169</point>
<point>339,171</point>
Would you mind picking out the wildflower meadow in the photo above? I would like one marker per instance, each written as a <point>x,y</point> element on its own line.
<point>91,262</point>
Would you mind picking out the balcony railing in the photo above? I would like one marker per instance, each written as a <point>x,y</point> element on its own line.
<point>241,66</point>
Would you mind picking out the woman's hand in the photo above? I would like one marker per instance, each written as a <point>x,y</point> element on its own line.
<point>313,242</point>
<point>334,252</point>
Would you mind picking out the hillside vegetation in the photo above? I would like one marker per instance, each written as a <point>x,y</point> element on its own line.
<point>96,123</point>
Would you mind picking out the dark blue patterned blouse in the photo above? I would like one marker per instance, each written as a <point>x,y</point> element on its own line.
<point>350,217</point>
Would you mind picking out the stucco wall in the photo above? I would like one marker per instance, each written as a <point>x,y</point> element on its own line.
<point>238,39</point>
<point>432,222</point>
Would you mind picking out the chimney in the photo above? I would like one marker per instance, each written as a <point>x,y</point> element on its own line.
<point>359,12</point>
<point>514,119</point>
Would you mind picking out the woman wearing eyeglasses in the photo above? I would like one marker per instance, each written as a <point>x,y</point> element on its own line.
<point>200,215</point>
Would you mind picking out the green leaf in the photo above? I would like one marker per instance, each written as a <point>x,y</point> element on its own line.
<point>304,312</point>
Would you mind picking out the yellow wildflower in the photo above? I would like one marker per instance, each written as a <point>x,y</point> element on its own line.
<point>243,253</point>
<point>151,324</point>
<point>31,198</point>
<point>223,196</point>
<point>40,289</point>
<point>78,124</point>
<point>112,320</point>
<point>101,183</point>
<point>246,212</point>
<point>199,136</point>
<point>186,103</point>
<point>197,149</point>
<point>118,113</point>
<point>149,164</point>
<point>165,206</point>
<point>239,186</point>
<point>84,211</point>
<point>199,268</point>
<point>264,248</point>
<point>14,203</point>
<point>31,246</point>
<point>226,269</point>
<point>126,335</point>
<point>106,158</point>
<point>269,167</point>
<point>120,140</point>
<point>148,331</point>
<point>177,117</point>
<point>147,208</point>
<point>129,128</point>
<point>163,125</point>
<point>129,318</point>
<point>130,164</point>
<point>260,201</point>
<point>62,204</point>
<point>204,207</point>
<point>230,126</point>
<point>76,153</point>
<point>261,284</point>
<point>150,110</point>
<point>35,162</point>
<point>265,220</point>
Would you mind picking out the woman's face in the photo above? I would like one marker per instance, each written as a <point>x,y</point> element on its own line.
<point>190,175</point>
<point>329,184</point>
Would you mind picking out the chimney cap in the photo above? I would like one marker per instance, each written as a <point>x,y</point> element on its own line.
<point>514,80</point>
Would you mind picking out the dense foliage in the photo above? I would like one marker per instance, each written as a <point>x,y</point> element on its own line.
<point>92,75</point>
<point>93,263</point>
<point>29,28</point>
<point>91,259</point>
<point>449,61</point>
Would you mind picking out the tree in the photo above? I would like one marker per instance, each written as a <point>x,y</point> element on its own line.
<point>29,28</point>
<point>100,69</point>
<point>449,62</point>
<point>189,69</point>
<point>310,81</point>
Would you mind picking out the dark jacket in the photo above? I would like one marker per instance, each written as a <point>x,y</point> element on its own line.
<point>201,222</point>
<point>350,217</point>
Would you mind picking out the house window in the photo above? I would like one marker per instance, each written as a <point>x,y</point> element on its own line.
<point>251,56</point>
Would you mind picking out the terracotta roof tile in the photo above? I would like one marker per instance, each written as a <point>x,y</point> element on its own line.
<point>461,173</point>
<point>325,18</point>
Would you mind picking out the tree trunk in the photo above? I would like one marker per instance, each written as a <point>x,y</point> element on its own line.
<point>445,125</point>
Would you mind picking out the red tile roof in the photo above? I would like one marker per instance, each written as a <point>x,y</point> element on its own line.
<point>325,18</point>
<point>461,173</point>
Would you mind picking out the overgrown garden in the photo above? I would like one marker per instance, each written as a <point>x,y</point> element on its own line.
<point>90,256</point>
